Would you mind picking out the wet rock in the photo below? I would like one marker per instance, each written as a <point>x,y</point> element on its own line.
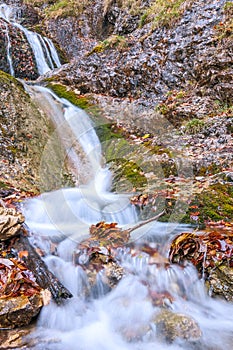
<point>220,282</point>
<point>10,223</point>
<point>171,326</point>
<point>112,274</point>
<point>21,53</point>
<point>15,338</point>
<point>19,311</point>
<point>211,253</point>
<point>96,257</point>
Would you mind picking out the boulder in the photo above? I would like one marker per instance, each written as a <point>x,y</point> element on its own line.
<point>19,311</point>
<point>171,326</point>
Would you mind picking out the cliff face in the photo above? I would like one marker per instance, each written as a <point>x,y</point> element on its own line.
<point>135,48</point>
<point>145,63</point>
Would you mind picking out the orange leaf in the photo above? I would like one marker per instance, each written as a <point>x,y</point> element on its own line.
<point>23,254</point>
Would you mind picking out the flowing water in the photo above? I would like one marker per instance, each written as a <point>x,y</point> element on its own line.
<point>43,48</point>
<point>122,318</point>
<point>9,59</point>
<point>105,321</point>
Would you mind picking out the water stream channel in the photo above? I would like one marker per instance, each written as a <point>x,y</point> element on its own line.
<point>105,321</point>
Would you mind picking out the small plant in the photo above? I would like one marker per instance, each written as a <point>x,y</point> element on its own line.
<point>161,108</point>
<point>163,12</point>
<point>143,19</point>
<point>194,126</point>
<point>114,41</point>
<point>181,94</point>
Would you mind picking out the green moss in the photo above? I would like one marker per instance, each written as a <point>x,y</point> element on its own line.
<point>130,172</point>
<point>114,41</point>
<point>194,126</point>
<point>3,185</point>
<point>108,131</point>
<point>8,79</point>
<point>162,108</point>
<point>215,203</point>
<point>66,8</point>
<point>143,19</point>
<point>211,169</point>
<point>62,92</point>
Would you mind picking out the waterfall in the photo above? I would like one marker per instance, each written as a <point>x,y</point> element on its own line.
<point>44,56</point>
<point>89,203</point>
<point>9,59</point>
<point>124,318</point>
<point>44,51</point>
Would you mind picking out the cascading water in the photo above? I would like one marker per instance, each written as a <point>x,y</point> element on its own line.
<point>123,318</point>
<point>109,321</point>
<point>90,202</point>
<point>43,48</point>
<point>44,55</point>
<point>9,59</point>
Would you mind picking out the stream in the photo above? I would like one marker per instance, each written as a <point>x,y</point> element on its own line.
<point>123,318</point>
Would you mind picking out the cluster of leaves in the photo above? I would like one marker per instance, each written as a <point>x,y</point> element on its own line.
<point>98,249</point>
<point>106,235</point>
<point>11,196</point>
<point>16,279</point>
<point>204,250</point>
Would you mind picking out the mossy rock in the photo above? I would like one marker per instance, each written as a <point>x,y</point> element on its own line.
<point>213,204</point>
<point>63,91</point>
<point>7,79</point>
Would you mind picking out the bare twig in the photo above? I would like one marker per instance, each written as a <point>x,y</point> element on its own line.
<point>146,222</point>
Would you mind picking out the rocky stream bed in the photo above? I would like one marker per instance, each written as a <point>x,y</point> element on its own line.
<point>156,79</point>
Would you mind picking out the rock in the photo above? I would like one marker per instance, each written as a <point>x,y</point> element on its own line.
<point>24,135</point>
<point>211,253</point>
<point>15,338</point>
<point>112,274</point>
<point>22,55</point>
<point>171,326</point>
<point>220,282</point>
<point>96,254</point>
<point>10,223</point>
<point>19,311</point>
